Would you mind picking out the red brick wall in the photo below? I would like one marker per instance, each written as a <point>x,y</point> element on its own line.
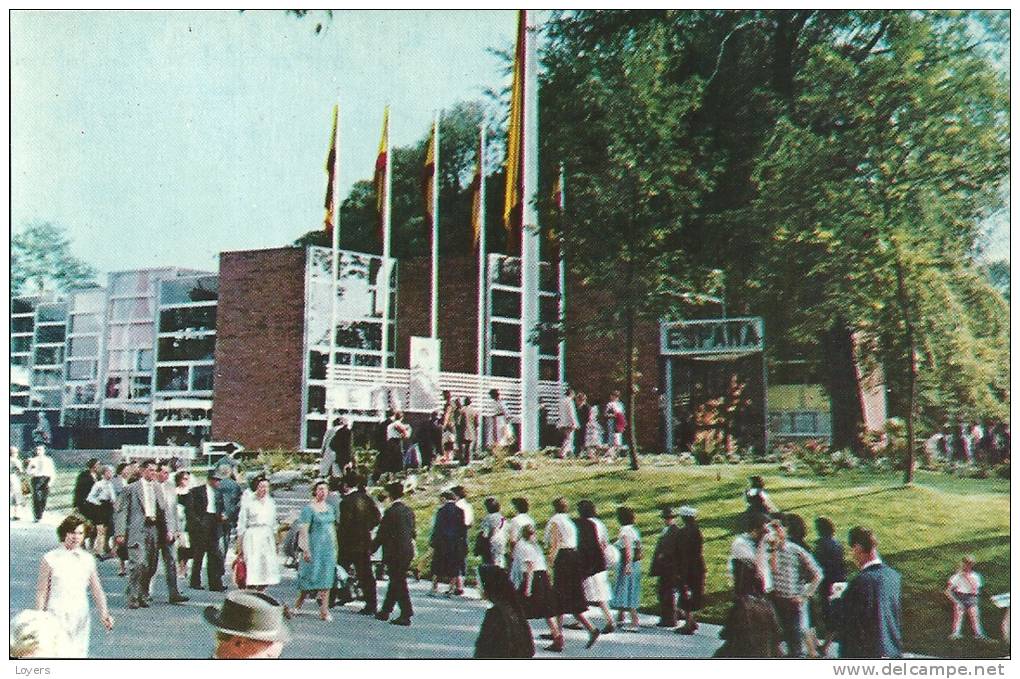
<point>259,339</point>
<point>596,361</point>
<point>458,310</point>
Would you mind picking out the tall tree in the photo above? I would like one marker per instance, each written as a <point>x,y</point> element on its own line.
<point>42,261</point>
<point>635,174</point>
<point>876,184</point>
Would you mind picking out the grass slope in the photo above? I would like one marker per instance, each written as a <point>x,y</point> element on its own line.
<point>923,529</point>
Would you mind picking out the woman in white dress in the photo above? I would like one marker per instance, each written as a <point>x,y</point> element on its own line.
<point>64,574</point>
<point>256,537</point>
<point>593,441</point>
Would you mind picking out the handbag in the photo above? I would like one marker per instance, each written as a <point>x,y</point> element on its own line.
<point>240,572</point>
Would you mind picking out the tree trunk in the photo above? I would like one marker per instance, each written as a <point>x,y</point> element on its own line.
<point>844,388</point>
<point>904,303</point>
<point>632,439</point>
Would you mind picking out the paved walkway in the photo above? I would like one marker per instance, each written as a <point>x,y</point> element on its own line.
<point>443,628</point>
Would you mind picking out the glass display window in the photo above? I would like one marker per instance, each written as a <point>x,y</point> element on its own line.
<point>189,290</point>
<point>115,387</point>
<point>506,336</point>
<point>84,323</point>
<point>143,359</point>
<point>506,366</point>
<point>368,360</point>
<point>198,319</point>
<point>125,414</point>
<point>141,386</point>
<point>88,301</point>
<point>316,399</point>
<point>187,349</point>
<point>202,377</point>
<point>79,394</point>
<point>131,283</point>
<point>505,304</point>
<point>49,334</point>
<point>48,399</point>
<point>81,369</point>
<point>81,418</point>
<point>172,378</point>
<point>49,355</point>
<point>22,324</point>
<point>137,308</point>
<point>19,305</point>
<point>21,345</point>
<point>49,377</point>
<point>83,346</point>
<point>51,313</point>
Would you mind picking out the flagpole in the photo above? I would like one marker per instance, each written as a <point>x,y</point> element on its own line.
<point>482,255</point>
<point>435,227</point>
<point>384,270</point>
<point>562,280</point>
<point>530,243</point>
<point>335,245</point>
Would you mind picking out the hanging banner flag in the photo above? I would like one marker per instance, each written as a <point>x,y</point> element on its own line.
<point>428,174</point>
<point>380,168</point>
<point>476,197</point>
<point>331,161</point>
<point>514,195</point>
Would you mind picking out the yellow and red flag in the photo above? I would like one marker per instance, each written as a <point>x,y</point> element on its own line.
<point>380,168</point>
<point>513,205</point>
<point>428,174</point>
<point>476,198</point>
<point>331,161</point>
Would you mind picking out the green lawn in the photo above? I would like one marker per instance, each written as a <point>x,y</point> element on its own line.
<point>923,529</point>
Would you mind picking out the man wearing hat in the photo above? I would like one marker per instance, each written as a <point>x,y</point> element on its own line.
<point>666,567</point>
<point>205,520</point>
<point>396,537</point>
<point>249,626</point>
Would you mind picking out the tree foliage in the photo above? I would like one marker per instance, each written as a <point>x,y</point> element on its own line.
<point>41,261</point>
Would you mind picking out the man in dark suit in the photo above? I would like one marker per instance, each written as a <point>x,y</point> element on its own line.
<point>82,485</point>
<point>358,516</point>
<point>206,518</point>
<point>396,537</point>
<point>867,615</point>
<point>666,567</point>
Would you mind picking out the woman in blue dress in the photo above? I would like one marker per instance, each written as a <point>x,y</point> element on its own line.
<point>627,590</point>
<point>317,541</point>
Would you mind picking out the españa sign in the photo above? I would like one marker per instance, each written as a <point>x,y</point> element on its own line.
<point>735,336</point>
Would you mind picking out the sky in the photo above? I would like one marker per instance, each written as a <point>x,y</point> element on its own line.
<point>164,138</point>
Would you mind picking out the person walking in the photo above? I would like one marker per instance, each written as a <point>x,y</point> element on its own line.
<point>567,423</point>
<point>501,433</point>
<point>666,562</point>
<point>561,541</point>
<point>336,455</point>
<point>449,544</point>
<point>429,437</point>
<point>392,460</point>
<point>616,420</point>
<point>256,537</point>
<point>141,519</point>
<point>691,580</point>
<point>82,485</point>
<point>583,413</point>
<point>494,531</point>
<point>359,516</point>
<point>868,613</point>
<point>795,577</point>
<point>396,538</point>
<point>205,521</point>
<point>529,574</point>
<point>829,556</point>
<point>65,573</point>
<point>592,545</point>
<point>230,491</point>
<point>472,432</point>
<point>964,591</point>
<point>17,474</point>
<point>317,542</point>
<point>516,525</point>
<point>182,486</point>
<point>751,628</point>
<point>505,632</point>
<point>100,500</point>
<point>627,589</point>
<point>41,472</point>
<point>168,548</point>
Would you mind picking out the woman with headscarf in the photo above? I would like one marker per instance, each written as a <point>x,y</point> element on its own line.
<point>505,632</point>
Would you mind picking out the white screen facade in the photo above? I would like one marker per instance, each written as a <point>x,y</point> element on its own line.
<point>359,315</point>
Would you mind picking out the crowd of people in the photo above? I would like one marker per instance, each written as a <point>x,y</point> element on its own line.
<point>573,573</point>
<point>986,442</point>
